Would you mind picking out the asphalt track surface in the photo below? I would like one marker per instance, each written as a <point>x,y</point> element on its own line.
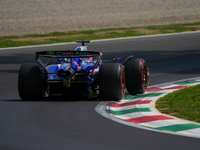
<point>74,124</point>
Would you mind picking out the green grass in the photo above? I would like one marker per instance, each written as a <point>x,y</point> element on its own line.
<point>62,37</point>
<point>175,28</point>
<point>184,103</point>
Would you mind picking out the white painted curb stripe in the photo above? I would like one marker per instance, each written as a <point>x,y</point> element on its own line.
<point>152,124</point>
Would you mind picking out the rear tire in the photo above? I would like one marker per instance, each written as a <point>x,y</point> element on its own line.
<point>136,76</point>
<point>112,81</point>
<point>29,82</point>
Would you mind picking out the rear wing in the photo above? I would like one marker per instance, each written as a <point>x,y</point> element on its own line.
<point>68,54</point>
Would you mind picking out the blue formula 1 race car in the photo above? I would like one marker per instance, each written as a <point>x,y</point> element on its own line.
<point>81,73</point>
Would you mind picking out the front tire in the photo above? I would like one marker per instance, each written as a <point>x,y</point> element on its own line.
<point>136,76</point>
<point>29,82</point>
<point>112,81</point>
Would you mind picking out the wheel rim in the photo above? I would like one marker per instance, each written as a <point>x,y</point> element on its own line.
<point>122,81</point>
<point>144,76</point>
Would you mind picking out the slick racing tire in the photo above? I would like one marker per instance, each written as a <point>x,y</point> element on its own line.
<point>112,81</point>
<point>136,73</point>
<point>29,82</point>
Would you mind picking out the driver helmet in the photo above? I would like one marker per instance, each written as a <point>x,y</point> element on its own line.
<point>84,48</point>
<point>81,48</point>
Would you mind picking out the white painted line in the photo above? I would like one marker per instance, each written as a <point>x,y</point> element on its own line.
<point>171,82</point>
<point>103,40</point>
<point>191,132</point>
<point>136,115</point>
<point>36,46</point>
<point>129,107</point>
<point>158,123</point>
<point>146,36</point>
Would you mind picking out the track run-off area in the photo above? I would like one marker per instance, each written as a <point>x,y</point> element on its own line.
<point>72,124</point>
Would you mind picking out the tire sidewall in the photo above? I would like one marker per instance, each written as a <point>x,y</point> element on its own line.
<point>111,81</point>
<point>134,76</point>
<point>30,82</point>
